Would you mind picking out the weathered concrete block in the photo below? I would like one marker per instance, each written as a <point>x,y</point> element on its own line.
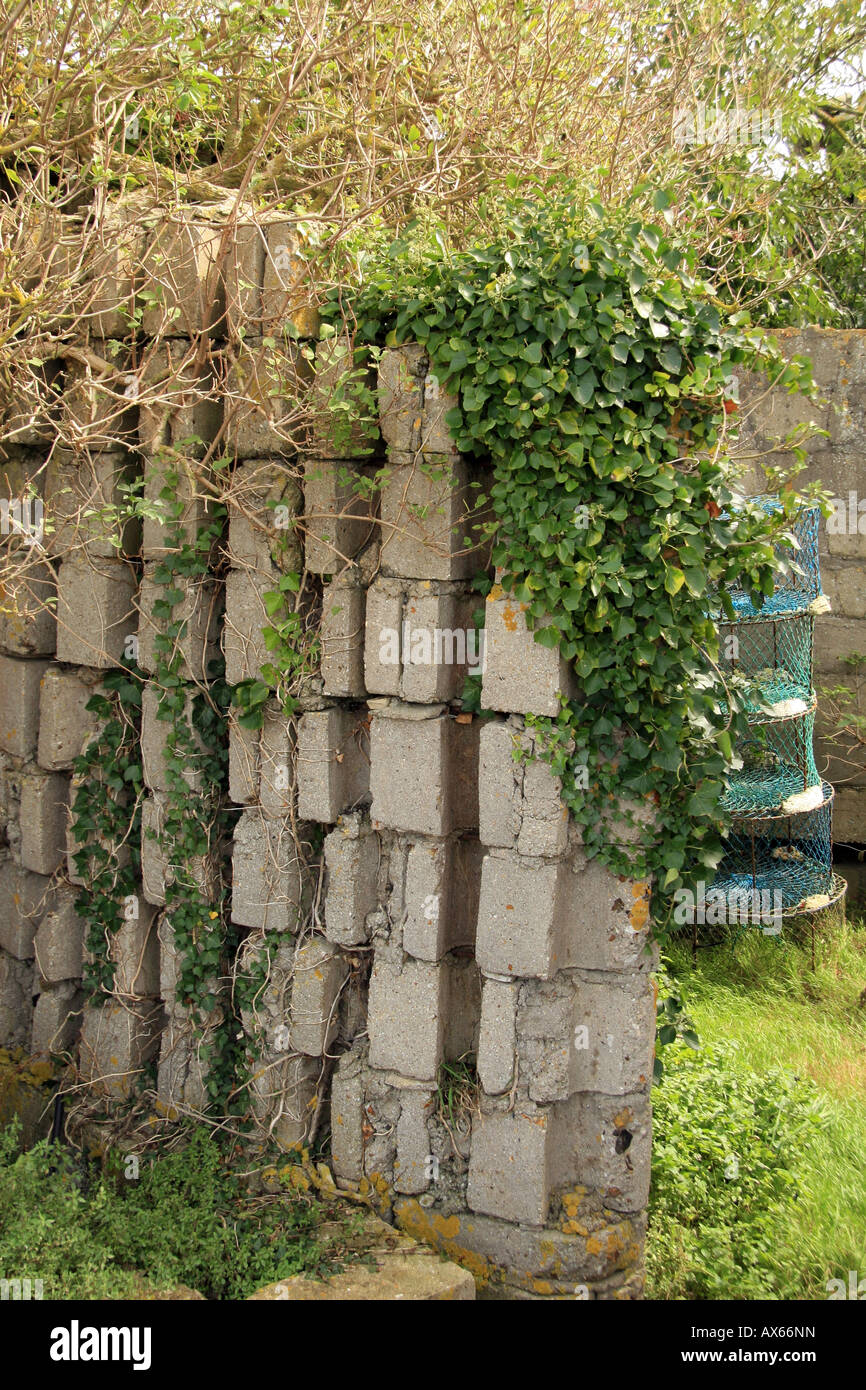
<point>436,437</point>
<point>172,489</point>
<point>43,814</point>
<point>56,1019</point>
<point>412,1163</point>
<point>157,869</point>
<point>17,987</point>
<point>611,1141</point>
<point>347,1116</point>
<point>59,939</point>
<point>520,675</point>
<point>179,398</point>
<point>66,726</point>
<point>849,816</point>
<point>539,916</point>
<point>509,1165</point>
<point>19,705</point>
<point>134,950</point>
<point>497,1039</point>
<point>83,504</point>
<point>243,762</point>
<point>277,778</point>
<point>268,874</point>
<point>264,501</point>
<point>117,1042</point>
<point>246,616</point>
<point>420,643</point>
<point>401,395</point>
<point>431,519</point>
<point>285,1095</point>
<point>424,767</point>
<point>344,423</point>
<point>28,625</point>
<point>588,1033</point>
<point>520,805</point>
<point>406,1021</point>
<point>95,613</point>
<point>116,249</point>
<point>98,406</point>
<point>154,742</point>
<point>287,289</point>
<point>836,639</point>
<point>342,639</point>
<point>436,895</point>
<point>333,763</point>
<point>25,898</point>
<point>319,972</point>
<point>181,1083</point>
<point>339,514</point>
<point>188,629</point>
<point>243,273</point>
<point>264,398</point>
<point>183,291</point>
<point>844,583</point>
<point>352,855</point>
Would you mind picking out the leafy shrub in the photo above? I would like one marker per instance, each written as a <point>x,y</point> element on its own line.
<point>728,1147</point>
<point>186,1220</point>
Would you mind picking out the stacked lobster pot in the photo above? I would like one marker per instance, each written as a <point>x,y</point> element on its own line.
<point>778,856</point>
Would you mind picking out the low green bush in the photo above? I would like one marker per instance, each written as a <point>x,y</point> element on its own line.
<point>729,1151</point>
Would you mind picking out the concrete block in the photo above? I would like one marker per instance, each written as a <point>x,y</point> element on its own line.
<point>497,1040</point>
<point>835,639</point>
<point>342,640</point>
<point>116,250</point>
<point>436,437</point>
<point>333,763</point>
<point>59,940</point>
<point>179,398</point>
<point>134,950</point>
<point>402,372</point>
<point>244,270</point>
<point>611,1146</point>
<point>406,1020</point>
<point>420,643</point>
<point>352,855</point>
<point>117,1042</point>
<point>587,1033</point>
<point>187,629</point>
<point>288,297</point>
<point>243,762</point>
<point>83,503</point>
<point>173,491</point>
<point>263,503</point>
<point>43,815</point>
<point>66,726</point>
<point>25,898</point>
<point>539,916</point>
<point>411,1165</point>
<point>19,705</point>
<point>98,406</point>
<point>424,769</point>
<point>431,519</point>
<point>849,816</point>
<point>844,583</point>
<point>82,860</point>
<point>95,612</point>
<point>277,777</point>
<point>264,398</point>
<point>182,291</point>
<point>17,987</point>
<point>437,897</point>
<point>339,514</point>
<point>344,422</point>
<point>510,1166</point>
<point>319,973</point>
<point>268,875</point>
<point>182,1075</point>
<point>28,626</point>
<point>154,741</point>
<point>285,1095</point>
<point>520,805</point>
<point>157,869</point>
<point>347,1116</point>
<point>520,675</point>
<point>245,618</point>
<point>56,1019</point>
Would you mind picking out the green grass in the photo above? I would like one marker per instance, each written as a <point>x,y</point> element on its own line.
<point>764,998</point>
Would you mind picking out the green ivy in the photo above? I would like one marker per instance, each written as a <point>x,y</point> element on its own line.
<point>597,375</point>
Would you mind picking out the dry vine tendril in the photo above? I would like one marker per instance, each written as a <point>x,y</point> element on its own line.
<point>597,374</point>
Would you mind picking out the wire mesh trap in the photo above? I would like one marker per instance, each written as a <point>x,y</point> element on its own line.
<point>767,664</point>
<point>800,584</point>
<point>786,859</point>
<point>774,768</point>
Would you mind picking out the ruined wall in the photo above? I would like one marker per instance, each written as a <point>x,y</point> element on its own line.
<point>428,945</point>
<point>837,458</point>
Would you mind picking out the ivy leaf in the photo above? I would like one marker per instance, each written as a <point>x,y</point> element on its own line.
<point>674,580</point>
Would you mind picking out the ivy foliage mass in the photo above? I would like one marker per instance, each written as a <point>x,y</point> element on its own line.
<point>598,375</point>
